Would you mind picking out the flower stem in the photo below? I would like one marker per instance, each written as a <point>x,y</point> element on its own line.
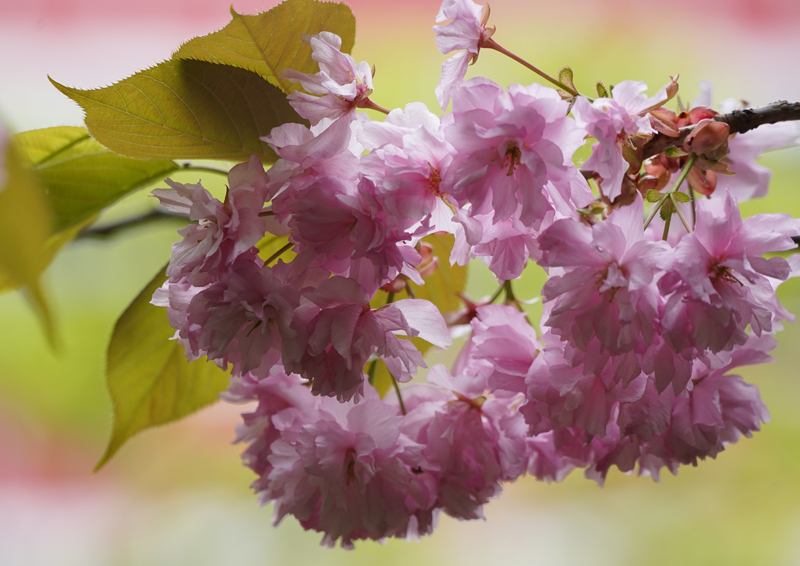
<point>112,229</point>
<point>680,215</point>
<point>399,395</point>
<point>667,222</point>
<point>190,167</point>
<point>654,211</point>
<point>675,187</point>
<point>684,173</point>
<point>497,293</point>
<point>492,44</point>
<point>367,103</point>
<point>371,371</point>
<point>510,297</point>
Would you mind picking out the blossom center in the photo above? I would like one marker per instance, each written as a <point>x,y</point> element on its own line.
<point>724,273</point>
<point>511,158</point>
<point>434,181</point>
<point>350,473</point>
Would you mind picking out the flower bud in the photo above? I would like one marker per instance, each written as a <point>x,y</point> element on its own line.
<point>703,182</point>
<point>709,138</point>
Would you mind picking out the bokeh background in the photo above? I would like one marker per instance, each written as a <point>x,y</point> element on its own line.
<point>178,495</point>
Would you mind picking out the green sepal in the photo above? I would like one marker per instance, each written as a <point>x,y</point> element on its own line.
<point>675,152</point>
<point>565,76</point>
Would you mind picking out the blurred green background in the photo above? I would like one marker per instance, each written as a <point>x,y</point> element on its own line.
<point>179,495</point>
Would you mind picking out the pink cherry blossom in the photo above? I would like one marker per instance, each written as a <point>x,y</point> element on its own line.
<point>341,85</point>
<point>514,153</point>
<point>341,226</point>
<point>346,332</point>
<point>609,119</point>
<point>605,301</point>
<point>719,283</point>
<point>466,31</point>
<point>502,347</point>
<point>583,423</point>
<point>246,320</point>
<point>342,469</point>
<point>563,396</point>
<point>407,159</point>
<point>306,155</point>
<point>504,247</point>
<point>473,441</point>
<point>224,230</point>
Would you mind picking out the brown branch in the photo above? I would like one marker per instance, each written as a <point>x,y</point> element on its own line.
<point>740,121</point>
<point>110,230</point>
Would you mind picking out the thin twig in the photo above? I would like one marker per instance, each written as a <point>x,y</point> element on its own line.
<point>739,121</point>
<point>680,214</point>
<point>492,44</point>
<point>110,230</point>
<point>278,254</point>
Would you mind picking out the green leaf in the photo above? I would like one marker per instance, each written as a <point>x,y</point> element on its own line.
<point>444,285</point>
<point>680,197</point>
<point>654,196</point>
<point>601,90</point>
<point>186,110</point>
<point>37,147</point>
<point>270,245</point>
<point>149,379</point>
<point>25,226</point>
<point>667,209</point>
<point>79,176</point>
<point>270,42</point>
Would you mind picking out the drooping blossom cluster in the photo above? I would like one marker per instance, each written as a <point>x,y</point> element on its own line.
<point>290,281</point>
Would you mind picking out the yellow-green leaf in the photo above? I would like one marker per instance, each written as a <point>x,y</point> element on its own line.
<point>81,177</point>
<point>270,42</point>
<point>25,226</point>
<point>37,147</point>
<point>149,379</point>
<point>381,378</point>
<point>443,286</point>
<point>184,109</point>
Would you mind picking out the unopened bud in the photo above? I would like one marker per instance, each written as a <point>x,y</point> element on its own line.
<point>672,87</point>
<point>395,285</point>
<point>429,268</point>
<point>709,138</point>
<point>703,182</point>
<point>663,121</point>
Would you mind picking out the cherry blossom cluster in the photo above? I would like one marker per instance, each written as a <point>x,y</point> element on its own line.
<point>644,321</point>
